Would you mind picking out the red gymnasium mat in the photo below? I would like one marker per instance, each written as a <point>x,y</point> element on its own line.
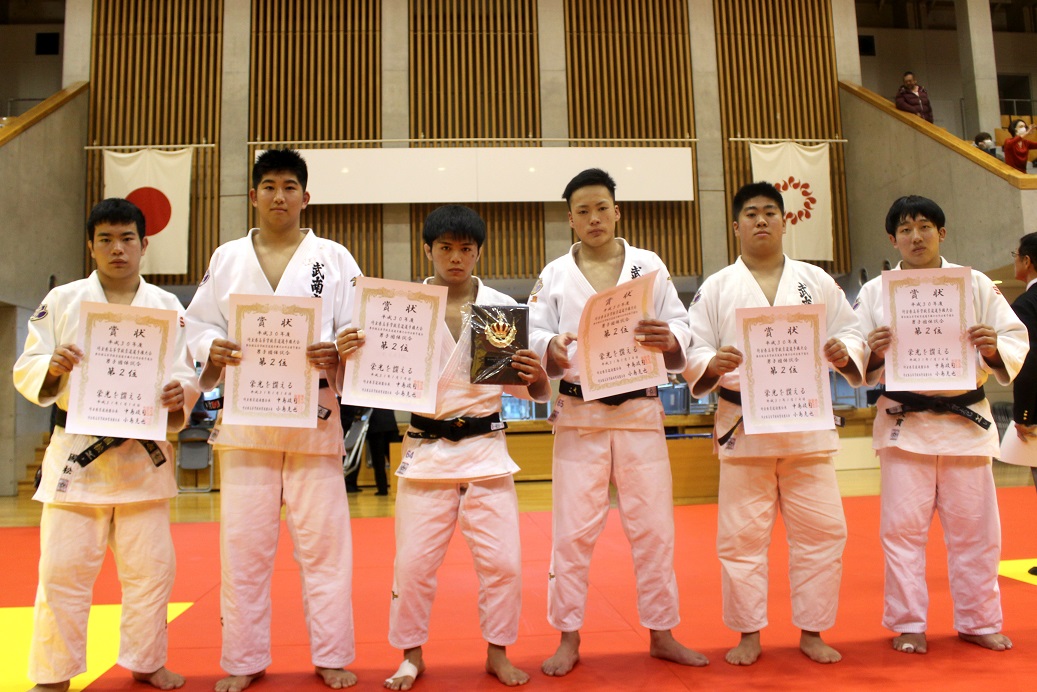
<point>614,650</point>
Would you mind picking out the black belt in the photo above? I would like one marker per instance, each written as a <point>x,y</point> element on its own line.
<point>103,444</point>
<point>735,397</point>
<point>913,402</point>
<point>454,429</point>
<point>217,403</point>
<point>570,389</point>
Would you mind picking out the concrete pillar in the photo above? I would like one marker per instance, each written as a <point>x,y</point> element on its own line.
<point>554,115</point>
<point>847,49</point>
<point>75,59</point>
<point>234,100</point>
<point>396,230</point>
<point>978,67</point>
<point>709,153</point>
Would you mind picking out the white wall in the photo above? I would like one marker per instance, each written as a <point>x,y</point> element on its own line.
<point>933,57</point>
<point>25,74</point>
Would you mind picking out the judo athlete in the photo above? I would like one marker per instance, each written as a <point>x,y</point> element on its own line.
<point>118,498</point>
<point>619,440</point>
<point>761,474</point>
<point>935,449</point>
<point>455,469</point>
<point>261,467</point>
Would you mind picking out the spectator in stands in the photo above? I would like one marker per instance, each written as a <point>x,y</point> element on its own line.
<point>913,98</point>
<point>1017,147</point>
<point>985,143</point>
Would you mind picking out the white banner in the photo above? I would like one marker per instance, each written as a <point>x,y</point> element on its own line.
<point>159,182</point>
<point>803,176</point>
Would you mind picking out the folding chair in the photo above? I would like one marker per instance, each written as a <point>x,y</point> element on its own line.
<point>193,453</point>
<point>355,439</point>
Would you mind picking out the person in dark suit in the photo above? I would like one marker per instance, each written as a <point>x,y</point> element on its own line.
<point>1024,410</point>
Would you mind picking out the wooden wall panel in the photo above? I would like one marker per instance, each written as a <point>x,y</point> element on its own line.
<point>511,251</point>
<point>155,81</point>
<point>474,81</point>
<point>316,82</point>
<point>778,80</point>
<point>629,77</point>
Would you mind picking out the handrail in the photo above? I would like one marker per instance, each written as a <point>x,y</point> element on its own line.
<point>1022,181</point>
<point>38,113</point>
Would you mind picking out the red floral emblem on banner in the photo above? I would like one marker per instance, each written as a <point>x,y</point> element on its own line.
<point>797,207</point>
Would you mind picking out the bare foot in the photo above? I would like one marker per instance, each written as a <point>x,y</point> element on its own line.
<point>811,644</point>
<point>664,646</point>
<point>163,679</point>
<point>497,663</point>
<point>910,643</point>
<point>565,657</point>
<point>413,665</point>
<point>336,678</point>
<point>747,651</point>
<point>236,683</point>
<point>50,687</point>
<point>994,642</point>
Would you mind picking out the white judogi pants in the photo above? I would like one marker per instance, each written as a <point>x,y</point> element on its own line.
<point>637,463</point>
<point>961,489</point>
<point>426,513</point>
<point>252,484</point>
<point>751,492</point>
<point>73,541</point>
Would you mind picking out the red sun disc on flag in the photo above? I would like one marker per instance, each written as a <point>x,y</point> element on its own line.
<point>156,207</point>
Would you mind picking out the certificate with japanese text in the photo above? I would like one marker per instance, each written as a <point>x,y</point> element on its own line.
<point>610,360</point>
<point>398,366</point>
<point>929,312</point>
<point>274,385</point>
<point>116,390</point>
<point>783,375</point>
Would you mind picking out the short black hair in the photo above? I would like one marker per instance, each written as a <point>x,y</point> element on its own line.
<point>981,137</point>
<point>279,161</point>
<point>758,189</point>
<point>909,72</point>
<point>1012,125</point>
<point>911,207</point>
<point>462,222</point>
<point>116,211</point>
<point>588,178</point>
<point>1028,247</point>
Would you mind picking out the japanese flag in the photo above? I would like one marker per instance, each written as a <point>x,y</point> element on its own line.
<point>159,182</point>
<point>801,174</point>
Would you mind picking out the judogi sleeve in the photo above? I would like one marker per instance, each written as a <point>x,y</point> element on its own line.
<point>868,314</point>
<point>345,295</point>
<point>1012,339</point>
<point>183,368</point>
<point>670,309</point>
<point>544,317</point>
<point>31,367</point>
<point>205,318</point>
<point>844,325</point>
<point>705,337</point>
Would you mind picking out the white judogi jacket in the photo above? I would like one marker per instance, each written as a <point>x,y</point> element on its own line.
<point>122,474</point>
<point>948,434</point>
<point>320,268</point>
<point>474,458</point>
<point>555,306</point>
<point>712,318</point>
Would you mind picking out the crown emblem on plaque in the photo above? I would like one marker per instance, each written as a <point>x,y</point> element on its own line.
<point>500,333</point>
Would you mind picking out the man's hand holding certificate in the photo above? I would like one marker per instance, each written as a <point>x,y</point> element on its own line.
<point>783,375</point>
<point>929,312</point>
<point>274,384</point>
<point>611,360</point>
<point>401,324</point>
<point>127,358</point>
